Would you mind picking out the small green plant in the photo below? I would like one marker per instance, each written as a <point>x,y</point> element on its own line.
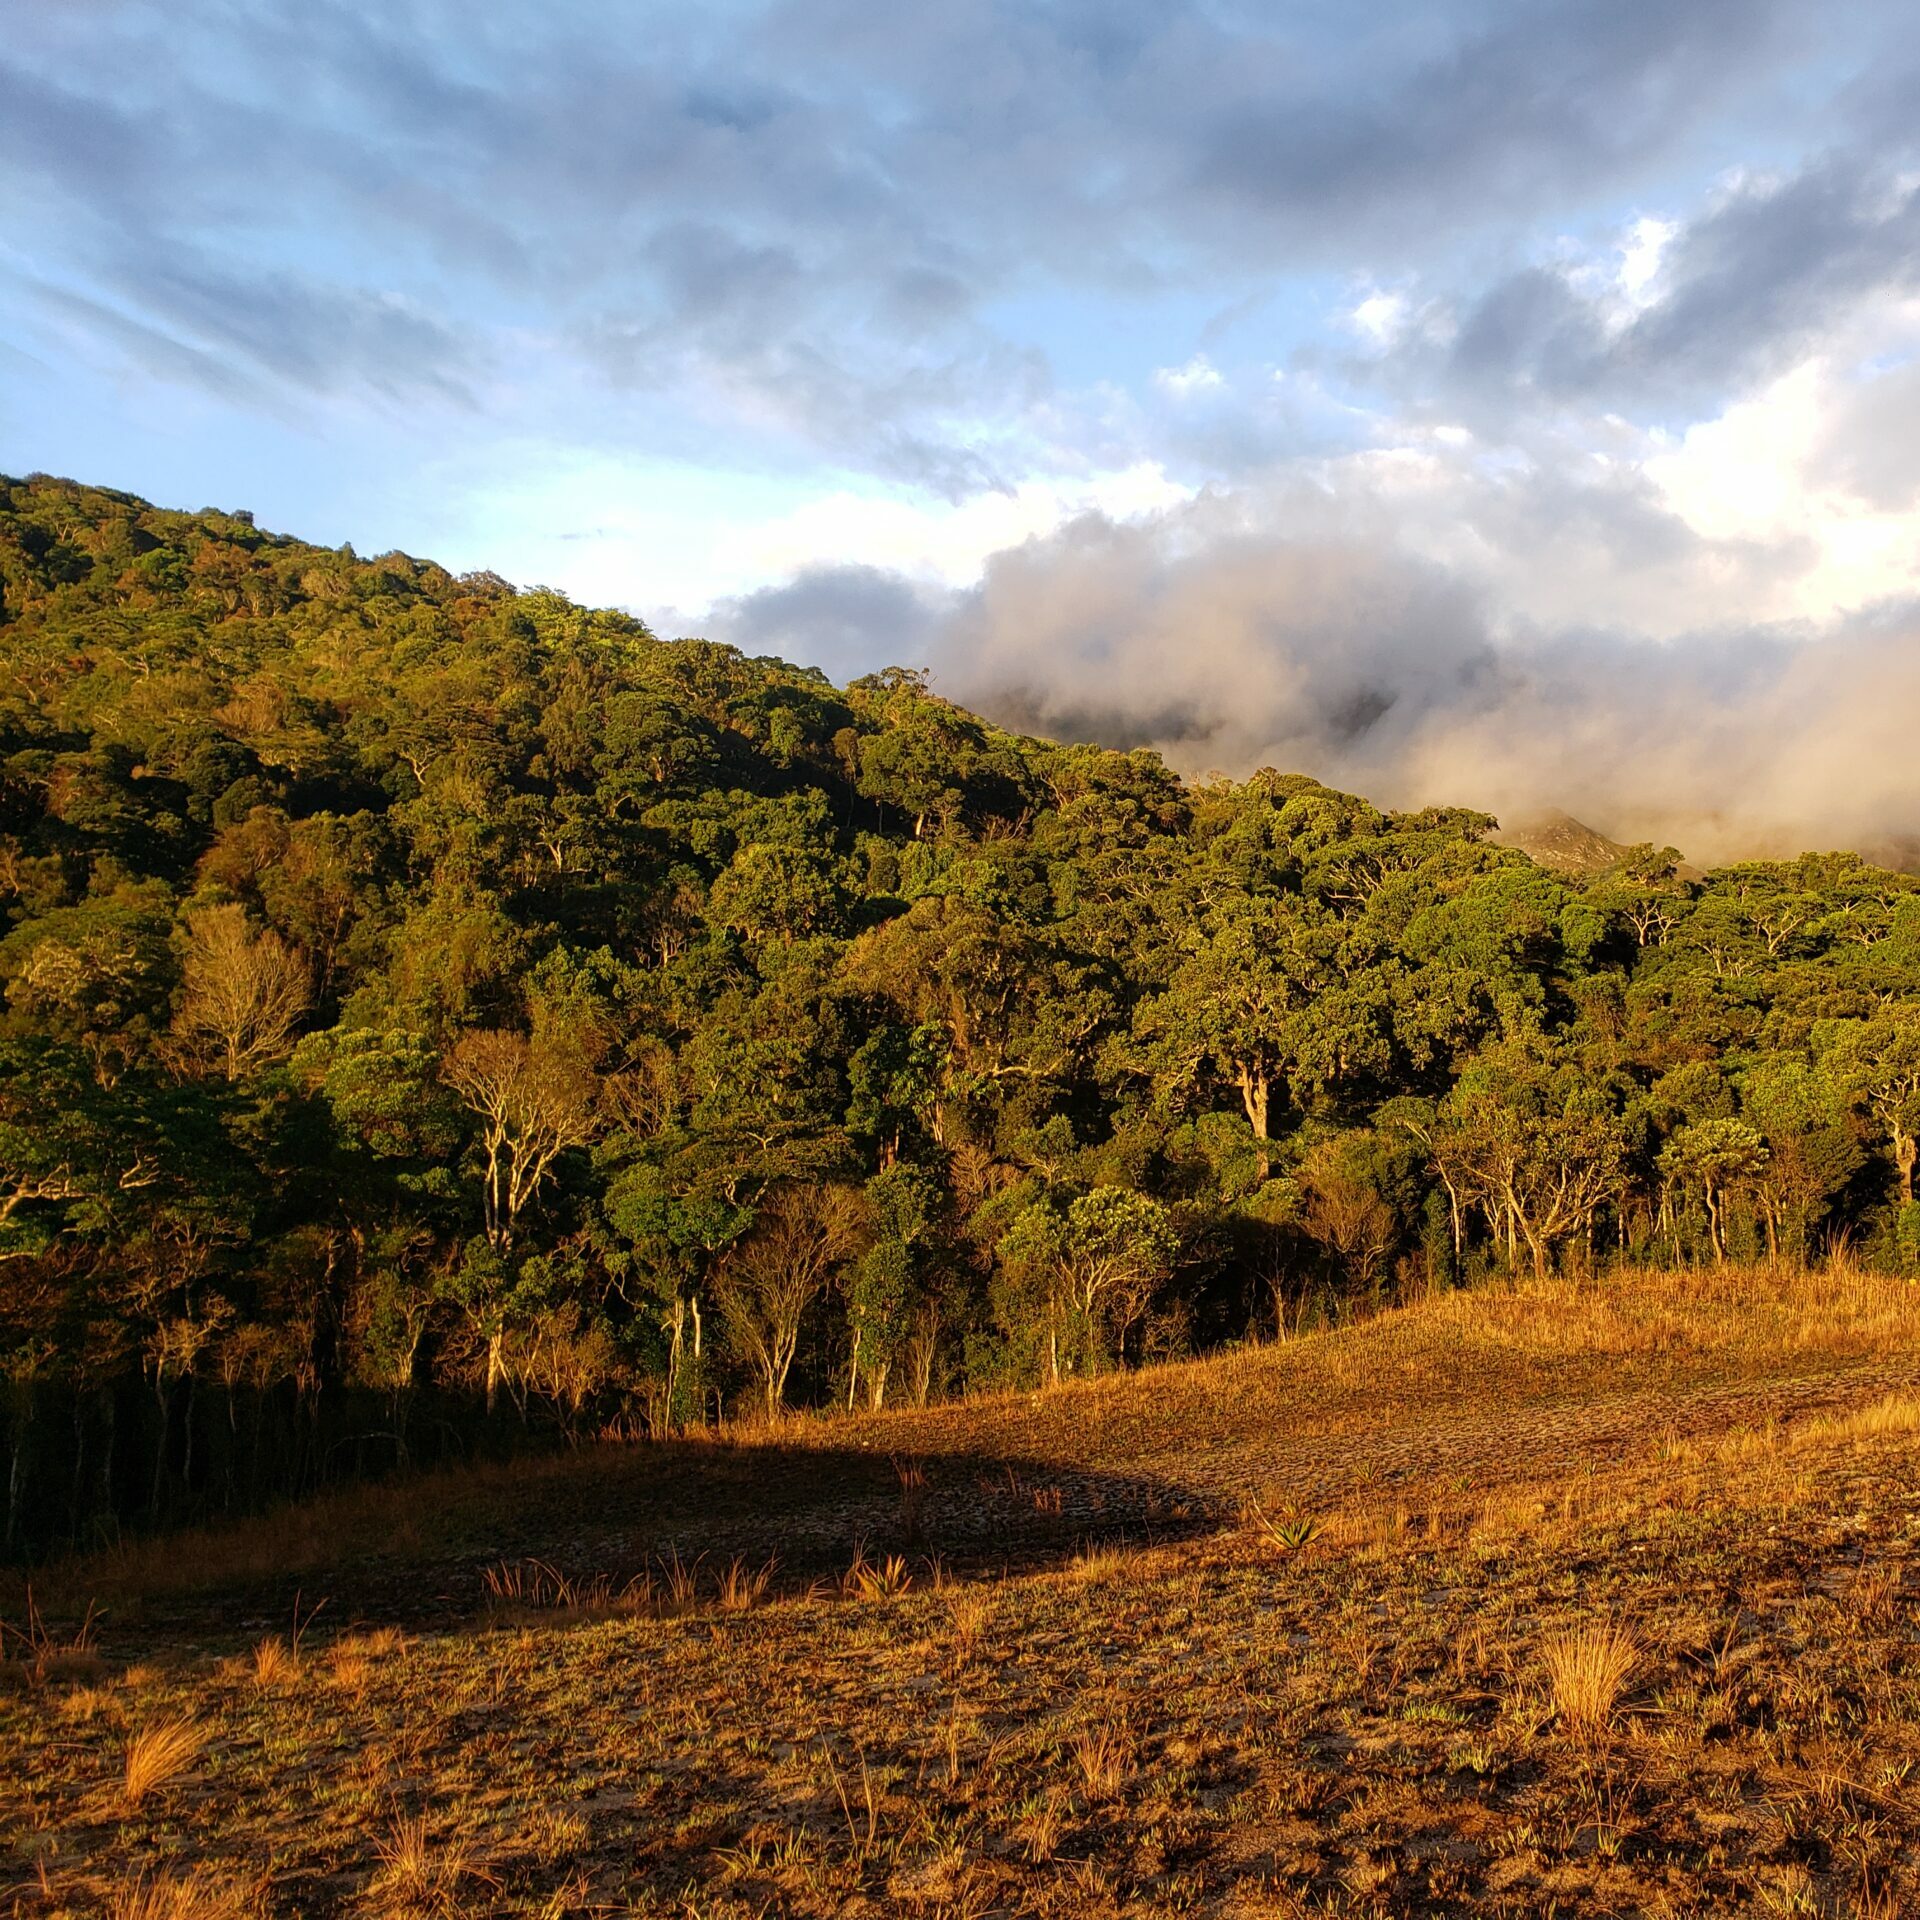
<point>1433,1713</point>
<point>1288,1531</point>
<point>877,1580</point>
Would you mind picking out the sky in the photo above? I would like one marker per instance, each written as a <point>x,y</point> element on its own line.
<point>1509,404</point>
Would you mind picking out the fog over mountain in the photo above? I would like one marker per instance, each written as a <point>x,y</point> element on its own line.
<point>1343,650</point>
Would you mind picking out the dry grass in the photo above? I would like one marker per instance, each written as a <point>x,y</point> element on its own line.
<point>197,1895</point>
<point>740,1586</point>
<point>158,1755</point>
<point>275,1664</point>
<point>1220,1718</point>
<point>969,1613</point>
<point>1099,1560</point>
<point>1588,1669</point>
<point>1104,1756</point>
<point>416,1873</point>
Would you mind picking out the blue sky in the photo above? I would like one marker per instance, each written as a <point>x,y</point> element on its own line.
<point>1425,362</point>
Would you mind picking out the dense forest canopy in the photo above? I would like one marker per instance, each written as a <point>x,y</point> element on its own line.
<point>417,987</point>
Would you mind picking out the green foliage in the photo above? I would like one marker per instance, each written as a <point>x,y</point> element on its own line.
<point>409,981</point>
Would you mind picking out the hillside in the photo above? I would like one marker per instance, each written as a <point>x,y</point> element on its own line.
<point>1559,841</point>
<point>1570,847</point>
<point>440,1020</point>
<point>1273,1633</point>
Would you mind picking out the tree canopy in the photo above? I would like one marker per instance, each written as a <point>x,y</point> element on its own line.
<point>409,982</point>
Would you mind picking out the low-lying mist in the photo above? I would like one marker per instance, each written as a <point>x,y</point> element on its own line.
<point>1327,648</point>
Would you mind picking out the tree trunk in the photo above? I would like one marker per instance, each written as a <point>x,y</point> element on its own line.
<point>103,1494</point>
<point>496,1369</point>
<point>1905,1149</point>
<point>160,1449</point>
<point>17,1470</point>
<point>1458,1226</point>
<point>1253,1096</point>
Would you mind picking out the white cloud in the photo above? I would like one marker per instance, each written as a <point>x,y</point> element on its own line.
<point>941,541</point>
<point>654,537</point>
<point>1380,319</point>
<point>1763,473</point>
<point>1199,375</point>
<point>1641,251</point>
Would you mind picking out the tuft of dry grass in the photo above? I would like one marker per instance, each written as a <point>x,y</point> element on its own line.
<point>33,1655</point>
<point>160,1754</point>
<point>415,1873</point>
<point>1098,1560</point>
<point>84,1704</point>
<point>1895,1414</point>
<point>199,1895</point>
<point>275,1664</point>
<point>1104,1756</point>
<point>971,1610</point>
<point>378,1643</point>
<point>354,1658</point>
<point>680,1582</point>
<point>741,1587</point>
<point>1587,1670</point>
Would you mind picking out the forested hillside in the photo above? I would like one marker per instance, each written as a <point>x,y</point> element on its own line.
<point>423,996</point>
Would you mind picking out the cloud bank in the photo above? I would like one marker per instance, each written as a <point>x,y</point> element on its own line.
<point>1321,632</point>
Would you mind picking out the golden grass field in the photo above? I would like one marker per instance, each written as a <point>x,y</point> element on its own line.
<point>1572,1599</point>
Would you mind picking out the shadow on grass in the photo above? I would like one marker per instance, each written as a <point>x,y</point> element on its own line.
<point>417,1554</point>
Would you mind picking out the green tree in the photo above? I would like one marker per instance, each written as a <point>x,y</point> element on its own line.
<point>1095,1263</point>
<point>1721,1158</point>
<point>1239,1012</point>
<point>1877,1062</point>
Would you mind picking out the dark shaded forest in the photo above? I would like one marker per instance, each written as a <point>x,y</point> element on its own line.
<point>439,1018</point>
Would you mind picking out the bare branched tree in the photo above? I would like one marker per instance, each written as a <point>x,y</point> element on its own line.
<point>765,1284</point>
<point>1346,1213</point>
<point>243,993</point>
<point>534,1101</point>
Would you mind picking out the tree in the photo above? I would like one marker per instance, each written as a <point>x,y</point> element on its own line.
<point>1345,1209</point>
<point>385,1169</point>
<point>776,893</point>
<point>1097,1261</point>
<point>69,1148</point>
<point>243,993</point>
<point>96,975</point>
<point>1520,1137</point>
<point>1812,1147</point>
<point>883,1289</point>
<point>1719,1157</point>
<point>1877,1062</point>
<point>765,1283</point>
<point>534,1100</point>
<point>1235,1014</point>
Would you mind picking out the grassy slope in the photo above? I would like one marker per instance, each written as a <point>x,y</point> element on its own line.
<point>1183,1715</point>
